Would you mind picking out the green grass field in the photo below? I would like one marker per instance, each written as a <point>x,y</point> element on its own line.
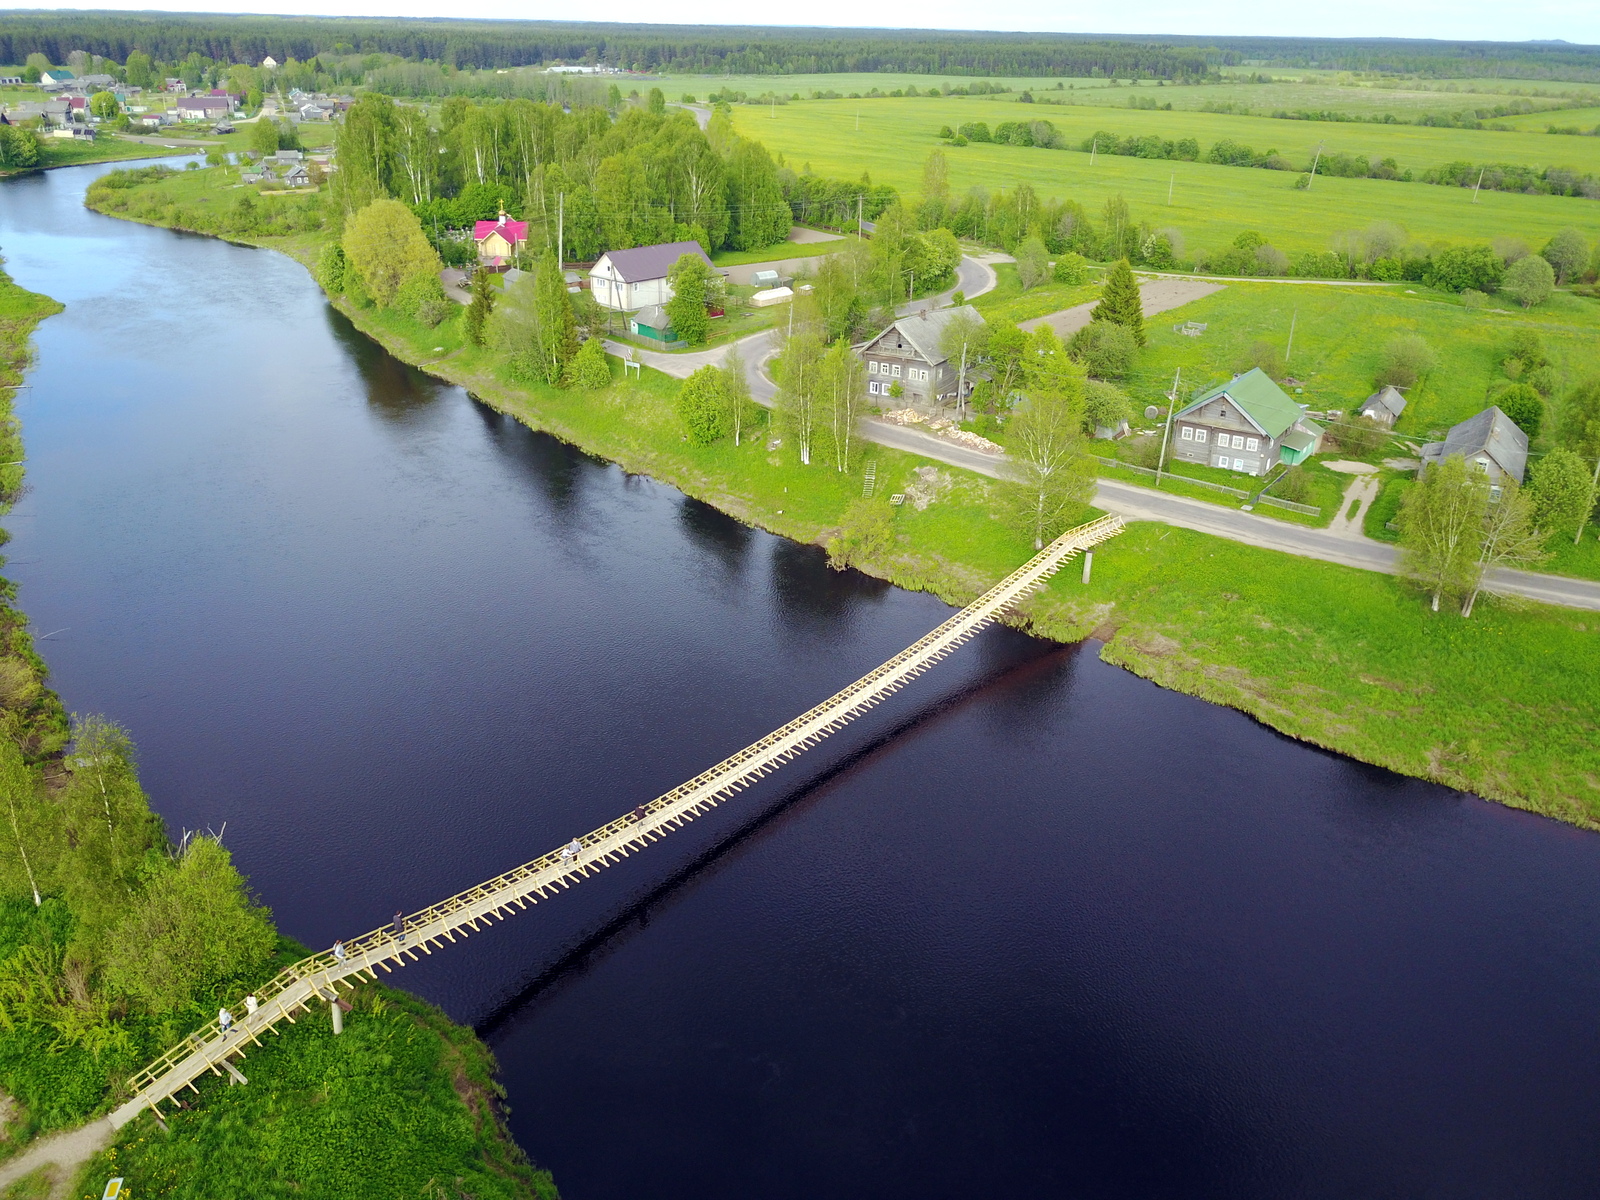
<point>1210,204</point>
<point>1412,146</point>
<point>1339,334</point>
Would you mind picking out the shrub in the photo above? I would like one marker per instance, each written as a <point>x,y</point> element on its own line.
<point>331,268</point>
<point>1386,270</point>
<point>423,300</point>
<point>703,406</point>
<point>1404,361</point>
<point>1072,269</point>
<point>1462,267</point>
<point>1529,281</point>
<point>1105,348</point>
<point>1523,405</point>
<point>589,371</point>
<point>866,532</point>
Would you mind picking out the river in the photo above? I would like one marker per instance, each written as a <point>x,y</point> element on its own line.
<point>1035,928</point>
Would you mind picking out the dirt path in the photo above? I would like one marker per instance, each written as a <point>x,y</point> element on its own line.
<point>1350,520</point>
<point>66,1152</point>
<point>1156,295</point>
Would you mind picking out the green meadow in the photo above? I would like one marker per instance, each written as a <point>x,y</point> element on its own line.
<point>1339,335</point>
<point>1209,204</point>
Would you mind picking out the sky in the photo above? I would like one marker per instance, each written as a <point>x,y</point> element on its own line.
<point>1490,20</point>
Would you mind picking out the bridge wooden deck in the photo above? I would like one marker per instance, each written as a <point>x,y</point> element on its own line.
<point>319,977</point>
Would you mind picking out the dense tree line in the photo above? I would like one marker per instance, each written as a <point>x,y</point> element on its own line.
<point>603,184</point>
<point>749,50</point>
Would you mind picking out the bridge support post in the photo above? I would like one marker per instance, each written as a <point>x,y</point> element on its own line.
<point>1088,564</point>
<point>338,1017</point>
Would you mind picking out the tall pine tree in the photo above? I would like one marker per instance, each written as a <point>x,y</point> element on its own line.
<point>1119,301</point>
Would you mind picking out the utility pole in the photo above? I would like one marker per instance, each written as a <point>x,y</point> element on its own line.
<point>561,230</point>
<point>1094,149</point>
<point>1479,184</point>
<point>1310,178</point>
<point>1170,182</point>
<point>1172,407</point>
<point>1294,316</point>
<point>859,198</point>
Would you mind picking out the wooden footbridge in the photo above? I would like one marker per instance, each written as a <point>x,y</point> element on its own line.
<point>319,977</point>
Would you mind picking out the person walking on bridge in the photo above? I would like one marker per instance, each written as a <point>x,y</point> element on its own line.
<point>338,952</point>
<point>250,1006</point>
<point>224,1020</point>
<point>399,927</point>
<point>571,851</point>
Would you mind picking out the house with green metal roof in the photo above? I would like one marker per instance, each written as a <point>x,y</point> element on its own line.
<point>1248,424</point>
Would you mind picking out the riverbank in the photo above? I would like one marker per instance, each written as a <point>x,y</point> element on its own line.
<point>405,1094</point>
<point>60,152</point>
<point>1502,705</point>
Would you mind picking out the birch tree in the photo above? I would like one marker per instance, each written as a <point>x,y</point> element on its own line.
<point>844,384</point>
<point>738,389</point>
<point>1509,539</point>
<point>20,790</point>
<point>416,147</point>
<point>1441,523</point>
<point>1048,475</point>
<point>799,385</point>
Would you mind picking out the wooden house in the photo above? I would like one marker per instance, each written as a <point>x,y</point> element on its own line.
<point>909,353</point>
<point>1490,442</point>
<point>653,323</point>
<point>1248,424</point>
<point>625,280</point>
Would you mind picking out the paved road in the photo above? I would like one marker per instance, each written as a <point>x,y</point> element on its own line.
<point>1344,546</point>
<point>1136,503</point>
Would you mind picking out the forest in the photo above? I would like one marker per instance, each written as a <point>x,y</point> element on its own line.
<point>600,184</point>
<point>758,50</point>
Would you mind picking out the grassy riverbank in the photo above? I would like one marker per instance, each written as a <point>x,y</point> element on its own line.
<point>405,1103</point>
<point>1506,704</point>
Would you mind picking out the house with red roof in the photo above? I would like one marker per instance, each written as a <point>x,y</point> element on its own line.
<point>499,241</point>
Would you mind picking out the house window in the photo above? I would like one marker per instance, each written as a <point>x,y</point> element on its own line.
<point>1187,434</point>
<point>1252,443</point>
<point>895,370</point>
<point>1238,442</point>
<point>872,369</point>
<point>1238,464</point>
<point>1200,435</point>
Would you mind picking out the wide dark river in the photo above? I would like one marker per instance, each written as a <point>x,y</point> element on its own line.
<point>1036,928</point>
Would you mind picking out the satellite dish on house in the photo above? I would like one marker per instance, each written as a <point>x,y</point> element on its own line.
<point>1151,412</point>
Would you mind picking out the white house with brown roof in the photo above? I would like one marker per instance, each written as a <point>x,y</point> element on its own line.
<point>626,280</point>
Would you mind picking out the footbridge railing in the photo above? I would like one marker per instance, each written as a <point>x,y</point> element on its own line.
<point>319,977</point>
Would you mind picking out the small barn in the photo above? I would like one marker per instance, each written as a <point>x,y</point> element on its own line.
<point>653,323</point>
<point>1384,406</point>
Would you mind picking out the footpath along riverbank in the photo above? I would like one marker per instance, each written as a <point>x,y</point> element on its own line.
<point>1328,654</point>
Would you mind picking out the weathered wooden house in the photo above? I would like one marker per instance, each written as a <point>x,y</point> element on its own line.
<point>1490,441</point>
<point>910,352</point>
<point>1248,424</point>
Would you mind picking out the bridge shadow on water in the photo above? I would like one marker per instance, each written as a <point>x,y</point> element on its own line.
<point>1012,659</point>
